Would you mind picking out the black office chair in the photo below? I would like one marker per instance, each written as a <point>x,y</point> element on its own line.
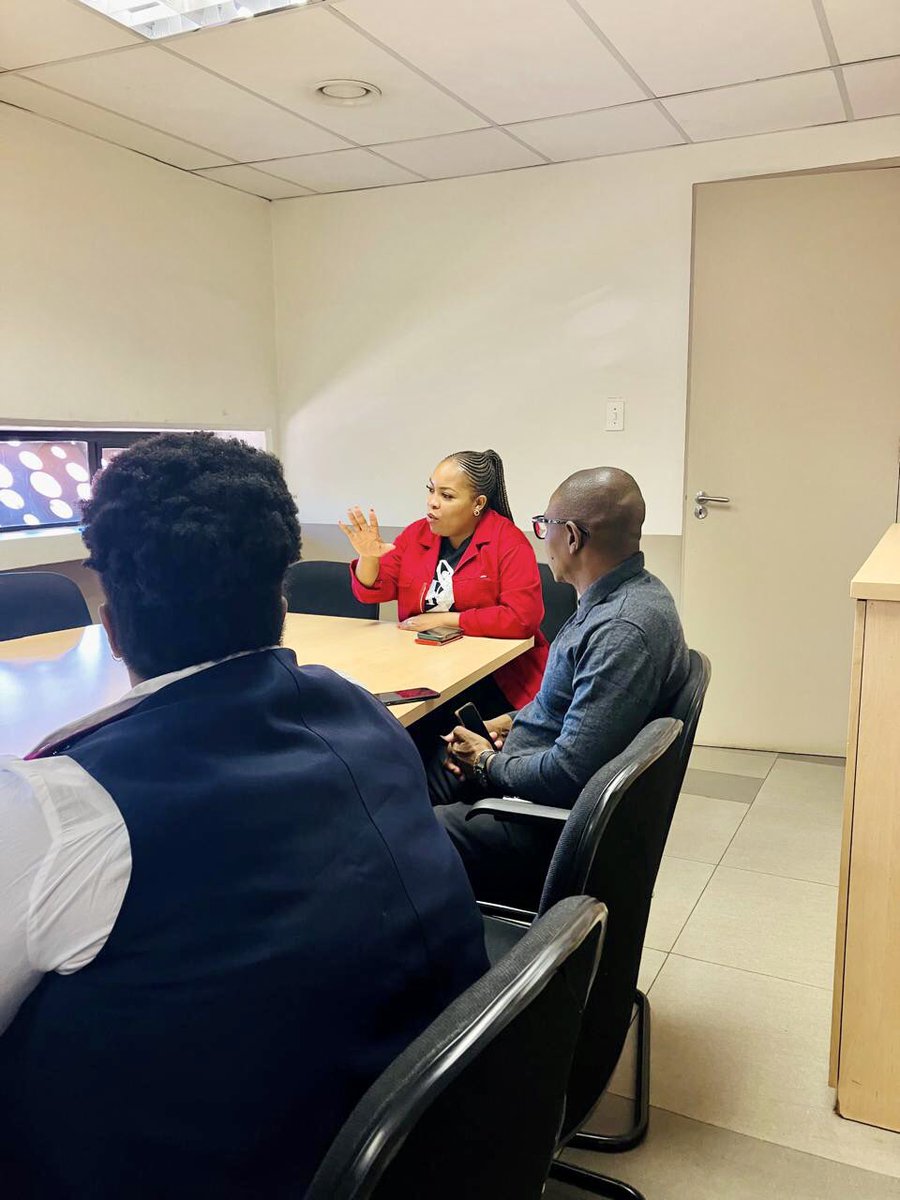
<point>323,588</point>
<point>39,602</point>
<point>665,785</point>
<point>472,1109</point>
<point>560,602</point>
<point>610,846</point>
<point>688,705</point>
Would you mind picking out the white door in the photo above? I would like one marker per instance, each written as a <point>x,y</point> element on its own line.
<point>794,414</point>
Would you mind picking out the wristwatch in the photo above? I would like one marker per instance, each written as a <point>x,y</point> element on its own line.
<point>481,766</point>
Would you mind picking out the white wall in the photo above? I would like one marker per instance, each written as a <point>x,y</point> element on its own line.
<point>129,291</point>
<point>503,310</point>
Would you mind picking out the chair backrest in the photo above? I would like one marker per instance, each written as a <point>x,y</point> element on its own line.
<point>323,588</point>
<point>474,1106</point>
<point>610,848</point>
<point>39,602</point>
<point>560,602</point>
<point>688,704</point>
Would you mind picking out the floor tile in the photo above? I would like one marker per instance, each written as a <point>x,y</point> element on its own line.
<point>703,827</point>
<point>621,1085</point>
<point>721,786</point>
<point>689,1160</point>
<point>608,1118</point>
<point>755,763</point>
<point>794,826</point>
<point>651,963</point>
<point>763,923</point>
<point>614,1114</point>
<point>678,887</point>
<point>750,1053</point>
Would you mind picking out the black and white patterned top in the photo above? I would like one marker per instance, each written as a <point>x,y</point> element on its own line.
<point>439,597</point>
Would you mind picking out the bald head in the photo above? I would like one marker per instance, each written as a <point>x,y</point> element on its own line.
<point>608,502</point>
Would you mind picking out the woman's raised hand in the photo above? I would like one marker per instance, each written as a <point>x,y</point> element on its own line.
<point>364,535</point>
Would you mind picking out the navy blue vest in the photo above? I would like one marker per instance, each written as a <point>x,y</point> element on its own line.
<point>295,917</point>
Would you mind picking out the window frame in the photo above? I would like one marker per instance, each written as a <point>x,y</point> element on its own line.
<point>95,439</point>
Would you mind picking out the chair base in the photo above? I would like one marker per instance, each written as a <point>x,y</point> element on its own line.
<point>594,1184</point>
<point>615,1143</point>
<point>603,1185</point>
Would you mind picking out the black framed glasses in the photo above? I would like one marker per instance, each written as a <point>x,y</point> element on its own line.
<point>539,524</point>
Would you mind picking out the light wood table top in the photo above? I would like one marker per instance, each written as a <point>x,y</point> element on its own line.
<point>879,576</point>
<point>54,678</point>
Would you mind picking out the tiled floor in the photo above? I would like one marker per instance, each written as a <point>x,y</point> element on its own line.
<point>737,964</point>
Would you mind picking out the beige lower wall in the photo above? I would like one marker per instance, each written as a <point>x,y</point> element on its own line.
<point>662,551</point>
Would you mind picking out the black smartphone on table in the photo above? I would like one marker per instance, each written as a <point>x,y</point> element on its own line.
<point>407,695</point>
<point>470,718</point>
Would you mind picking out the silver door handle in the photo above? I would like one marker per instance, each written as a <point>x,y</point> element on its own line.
<point>702,498</point>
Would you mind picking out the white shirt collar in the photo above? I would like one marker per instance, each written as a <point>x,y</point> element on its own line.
<point>138,693</point>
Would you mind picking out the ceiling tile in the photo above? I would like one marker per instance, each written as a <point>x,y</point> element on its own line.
<point>39,31</point>
<point>473,153</point>
<point>512,61</point>
<point>685,45</point>
<point>606,131</point>
<point>87,117</point>
<point>874,87</point>
<point>864,28</point>
<point>246,179</point>
<point>150,85</point>
<point>761,107</point>
<point>343,171</point>
<point>284,56</point>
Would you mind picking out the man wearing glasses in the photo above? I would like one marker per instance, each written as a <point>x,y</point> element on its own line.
<point>614,665</point>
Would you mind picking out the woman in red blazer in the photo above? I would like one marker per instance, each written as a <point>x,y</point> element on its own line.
<point>464,565</point>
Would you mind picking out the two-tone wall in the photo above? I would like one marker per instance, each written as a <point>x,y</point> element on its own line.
<point>373,331</point>
<point>504,311</point>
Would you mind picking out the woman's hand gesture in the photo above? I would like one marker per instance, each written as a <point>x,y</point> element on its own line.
<point>364,535</point>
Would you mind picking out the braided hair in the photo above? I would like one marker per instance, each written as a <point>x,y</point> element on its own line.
<point>484,470</point>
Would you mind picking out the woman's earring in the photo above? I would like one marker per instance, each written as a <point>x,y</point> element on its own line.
<point>477,512</point>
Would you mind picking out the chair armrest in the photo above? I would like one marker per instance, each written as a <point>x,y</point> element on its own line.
<point>522,812</point>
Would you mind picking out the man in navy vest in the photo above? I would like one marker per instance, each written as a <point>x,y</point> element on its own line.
<point>225,902</point>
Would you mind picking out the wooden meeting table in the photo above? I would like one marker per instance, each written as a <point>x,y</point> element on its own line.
<point>54,678</point>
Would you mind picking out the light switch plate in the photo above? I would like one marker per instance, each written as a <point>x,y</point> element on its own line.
<point>615,415</point>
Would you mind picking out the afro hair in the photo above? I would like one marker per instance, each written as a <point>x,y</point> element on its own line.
<point>191,535</point>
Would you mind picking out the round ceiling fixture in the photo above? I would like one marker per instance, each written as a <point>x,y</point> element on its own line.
<point>347,91</point>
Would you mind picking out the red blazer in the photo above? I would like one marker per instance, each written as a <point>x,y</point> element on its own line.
<point>496,589</point>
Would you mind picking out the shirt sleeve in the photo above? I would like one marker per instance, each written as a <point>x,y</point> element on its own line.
<point>386,581</point>
<point>613,682</point>
<point>64,872</point>
<point>521,608</point>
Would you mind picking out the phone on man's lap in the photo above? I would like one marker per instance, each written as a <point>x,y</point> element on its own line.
<point>470,718</point>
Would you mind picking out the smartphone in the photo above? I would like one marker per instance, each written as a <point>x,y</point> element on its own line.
<point>470,718</point>
<point>407,695</point>
<point>421,640</point>
<point>438,637</point>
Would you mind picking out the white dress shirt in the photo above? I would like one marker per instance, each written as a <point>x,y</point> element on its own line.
<point>65,858</point>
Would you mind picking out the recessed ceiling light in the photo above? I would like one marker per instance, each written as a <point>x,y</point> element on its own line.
<point>347,91</point>
<point>163,18</point>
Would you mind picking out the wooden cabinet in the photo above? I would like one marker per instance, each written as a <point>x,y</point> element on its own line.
<point>865,1042</point>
